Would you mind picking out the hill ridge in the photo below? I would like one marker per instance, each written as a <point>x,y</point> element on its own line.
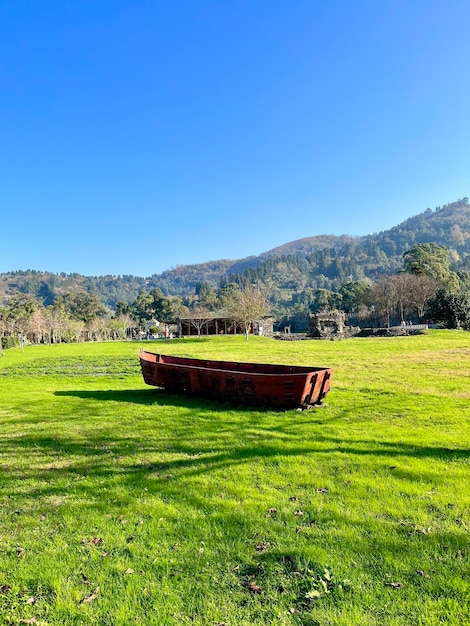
<point>306,263</point>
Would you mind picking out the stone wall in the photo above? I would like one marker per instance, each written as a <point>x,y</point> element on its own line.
<point>329,325</point>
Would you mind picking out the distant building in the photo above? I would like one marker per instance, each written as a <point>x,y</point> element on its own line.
<point>219,325</point>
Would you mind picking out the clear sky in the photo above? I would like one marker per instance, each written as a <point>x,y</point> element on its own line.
<point>136,135</point>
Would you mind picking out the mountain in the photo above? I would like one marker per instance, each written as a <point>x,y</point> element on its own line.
<point>291,270</point>
<point>307,244</point>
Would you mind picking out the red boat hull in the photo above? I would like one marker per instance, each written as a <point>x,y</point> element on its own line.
<point>279,386</point>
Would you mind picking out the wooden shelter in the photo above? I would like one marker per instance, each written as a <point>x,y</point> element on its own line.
<point>198,325</point>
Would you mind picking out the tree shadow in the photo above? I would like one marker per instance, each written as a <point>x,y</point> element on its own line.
<point>161,397</point>
<point>200,454</point>
<point>193,440</point>
<point>135,396</point>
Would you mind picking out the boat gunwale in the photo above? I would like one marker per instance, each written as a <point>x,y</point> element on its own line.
<point>299,370</point>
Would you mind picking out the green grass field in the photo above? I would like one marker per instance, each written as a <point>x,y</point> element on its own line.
<point>121,504</point>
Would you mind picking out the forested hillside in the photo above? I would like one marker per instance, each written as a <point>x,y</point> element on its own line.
<point>293,271</point>
<point>446,226</point>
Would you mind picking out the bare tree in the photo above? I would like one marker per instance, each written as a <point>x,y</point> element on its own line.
<point>247,305</point>
<point>422,289</point>
<point>403,293</point>
<point>401,287</point>
<point>95,329</point>
<point>383,296</point>
<point>119,325</point>
<point>40,327</point>
<point>58,322</point>
<point>76,328</point>
<point>199,317</point>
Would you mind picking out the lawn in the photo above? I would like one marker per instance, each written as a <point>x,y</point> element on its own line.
<point>122,504</point>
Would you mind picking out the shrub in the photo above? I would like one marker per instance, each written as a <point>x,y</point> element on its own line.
<point>10,342</point>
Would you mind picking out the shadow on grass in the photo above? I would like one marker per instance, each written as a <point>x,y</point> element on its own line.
<point>154,396</point>
<point>204,437</point>
<point>160,397</point>
<point>245,434</point>
<point>112,455</point>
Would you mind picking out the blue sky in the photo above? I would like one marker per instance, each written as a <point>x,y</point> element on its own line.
<point>140,135</point>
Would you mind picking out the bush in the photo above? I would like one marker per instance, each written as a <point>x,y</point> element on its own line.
<point>451,309</point>
<point>10,342</point>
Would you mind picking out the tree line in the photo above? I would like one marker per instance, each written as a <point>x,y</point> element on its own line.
<point>82,317</point>
<point>424,288</point>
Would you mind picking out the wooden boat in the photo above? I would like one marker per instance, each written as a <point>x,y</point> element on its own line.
<point>280,386</point>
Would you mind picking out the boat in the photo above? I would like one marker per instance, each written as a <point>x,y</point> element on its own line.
<point>258,384</point>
